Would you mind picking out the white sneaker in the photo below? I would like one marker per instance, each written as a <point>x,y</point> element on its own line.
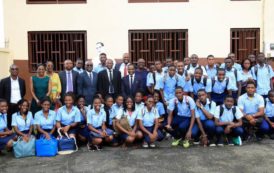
<point>145,145</point>
<point>152,145</point>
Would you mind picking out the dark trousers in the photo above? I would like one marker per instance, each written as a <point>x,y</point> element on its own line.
<point>12,109</point>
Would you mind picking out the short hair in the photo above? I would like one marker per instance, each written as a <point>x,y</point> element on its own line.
<point>131,65</point>
<point>3,101</point>
<point>45,99</point>
<point>251,82</point>
<point>171,66</point>
<point>80,97</point>
<point>108,97</point>
<point>102,44</point>
<point>96,98</point>
<point>210,56</point>
<point>201,90</point>
<point>199,68</point>
<point>229,58</point>
<point>103,54</point>
<point>229,97</point>
<point>269,92</point>
<point>179,88</point>
<point>70,94</point>
<point>119,95</point>
<point>39,65</point>
<point>20,102</point>
<point>220,69</point>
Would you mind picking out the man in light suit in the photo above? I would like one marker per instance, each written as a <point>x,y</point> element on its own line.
<point>87,83</point>
<point>68,78</point>
<point>131,83</point>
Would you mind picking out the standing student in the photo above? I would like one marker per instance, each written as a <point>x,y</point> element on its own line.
<point>211,67</point>
<point>268,125</point>
<point>138,99</point>
<point>232,74</point>
<point>149,124</point>
<point>244,75</point>
<point>68,116</point>
<point>168,63</point>
<point>142,71</point>
<point>228,120</point>
<point>235,65</point>
<point>45,120</point>
<point>252,59</point>
<point>22,121</point>
<point>181,117</point>
<point>183,77</point>
<point>96,119</point>
<point>83,132</point>
<point>150,79</point>
<point>102,65</point>
<point>186,62</point>
<point>6,135</point>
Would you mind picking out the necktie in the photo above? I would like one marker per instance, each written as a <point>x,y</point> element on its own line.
<point>90,76</point>
<point>69,82</point>
<point>125,70</point>
<point>130,83</point>
<point>111,88</point>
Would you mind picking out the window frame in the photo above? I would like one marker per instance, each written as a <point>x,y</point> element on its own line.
<point>57,2</point>
<point>155,1</point>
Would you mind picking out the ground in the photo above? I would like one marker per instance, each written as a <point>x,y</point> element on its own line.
<point>251,157</point>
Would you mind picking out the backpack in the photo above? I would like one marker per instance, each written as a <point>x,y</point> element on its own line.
<point>233,112</point>
<point>204,80</point>
<point>214,80</point>
<point>176,77</point>
<point>256,70</point>
<point>175,111</point>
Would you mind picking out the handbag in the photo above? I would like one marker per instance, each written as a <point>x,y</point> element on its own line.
<point>22,148</point>
<point>66,145</point>
<point>45,147</point>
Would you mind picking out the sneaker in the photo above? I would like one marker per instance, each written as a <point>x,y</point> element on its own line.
<point>168,136</point>
<point>220,142</point>
<point>237,141</point>
<point>145,145</point>
<point>212,143</point>
<point>230,142</point>
<point>196,142</point>
<point>88,146</point>
<point>152,145</point>
<point>176,142</point>
<point>96,148</point>
<point>186,144</point>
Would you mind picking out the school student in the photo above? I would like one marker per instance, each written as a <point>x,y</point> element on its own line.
<point>232,74</point>
<point>149,124</point>
<point>108,109</point>
<point>138,99</point>
<point>96,119</point>
<point>160,108</point>
<point>22,121</point>
<point>83,132</point>
<point>268,125</point>
<point>204,113</point>
<point>155,76</point>
<point>244,75</point>
<point>126,123</point>
<point>228,120</point>
<point>150,79</point>
<point>116,107</point>
<point>183,76</point>
<point>219,87</point>
<point>68,116</point>
<point>252,106</point>
<point>181,117</point>
<point>211,67</point>
<point>45,120</point>
<point>194,65</point>
<point>6,135</point>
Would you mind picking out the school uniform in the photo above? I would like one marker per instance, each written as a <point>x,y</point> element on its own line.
<point>228,116</point>
<point>139,106</point>
<point>232,75</point>
<point>237,66</point>
<point>182,116</point>
<point>168,85</point>
<point>22,125</point>
<point>68,118</point>
<point>208,124</point>
<point>191,69</point>
<point>83,128</point>
<point>182,82</point>
<point>269,112</point>
<point>243,78</point>
<point>219,90</point>
<point>113,112</point>
<point>148,119</point>
<point>47,124</point>
<point>3,126</point>
<point>211,72</point>
<point>154,78</point>
<point>131,117</point>
<point>204,83</point>
<point>96,120</point>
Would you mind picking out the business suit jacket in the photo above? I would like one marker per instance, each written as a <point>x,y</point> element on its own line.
<point>136,86</point>
<point>103,82</point>
<point>63,79</point>
<point>5,88</point>
<point>87,88</point>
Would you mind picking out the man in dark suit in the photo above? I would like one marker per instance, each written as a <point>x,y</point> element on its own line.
<point>123,67</point>
<point>12,89</point>
<point>68,78</point>
<point>87,83</point>
<point>109,81</point>
<point>131,83</point>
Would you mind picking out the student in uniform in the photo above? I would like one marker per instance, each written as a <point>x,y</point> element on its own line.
<point>153,79</point>
<point>181,117</point>
<point>160,108</point>
<point>6,135</point>
<point>68,116</point>
<point>83,132</point>
<point>219,87</point>
<point>149,124</point>
<point>126,123</point>
<point>96,119</point>
<point>22,121</point>
<point>204,113</point>
<point>268,125</point>
<point>194,65</point>
<point>168,63</point>
<point>235,65</point>
<point>211,67</point>
<point>183,77</point>
<point>252,106</point>
<point>116,107</point>
<point>232,74</point>
<point>108,109</point>
<point>244,75</point>
<point>186,62</point>
<point>150,79</point>
<point>139,104</point>
<point>45,120</point>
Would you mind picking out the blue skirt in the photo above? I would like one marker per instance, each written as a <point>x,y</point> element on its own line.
<point>71,130</point>
<point>5,140</point>
<point>97,135</point>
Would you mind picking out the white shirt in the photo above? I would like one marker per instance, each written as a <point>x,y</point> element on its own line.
<point>121,69</point>
<point>67,79</point>
<point>129,78</point>
<point>15,91</point>
<point>110,90</point>
<point>90,75</point>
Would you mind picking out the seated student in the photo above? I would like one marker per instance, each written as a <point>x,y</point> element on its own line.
<point>167,84</point>
<point>219,87</point>
<point>160,108</point>
<point>268,125</point>
<point>6,135</point>
<point>108,109</point>
<point>22,121</point>
<point>252,106</point>
<point>139,104</point>
<point>181,117</point>
<point>228,120</point>
<point>45,120</point>
<point>204,113</point>
<point>126,123</point>
<point>148,123</point>
<point>116,107</point>
<point>96,119</point>
<point>244,75</point>
<point>198,81</point>
<point>68,116</point>
<point>83,132</point>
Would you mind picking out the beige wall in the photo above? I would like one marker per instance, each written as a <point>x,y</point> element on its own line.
<point>208,22</point>
<point>5,61</point>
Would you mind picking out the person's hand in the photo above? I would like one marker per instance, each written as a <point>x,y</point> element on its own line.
<point>38,102</point>
<point>272,125</point>
<point>10,132</point>
<point>188,78</point>
<point>253,122</point>
<point>249,117</point>
<point>3,136</point>
<point>83,110</point>
<point>132,134</point>
<point>26,138</point>
<point>231,124</point>
<point>47,136</point>
<point>152,137</point>
<point>227,129</point>
<point>66,129</point>
<point>168,127</point>
<point>188,135</point>
<point>198,103</point>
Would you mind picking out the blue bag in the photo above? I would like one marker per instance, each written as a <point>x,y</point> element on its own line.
<point>66,145</point>
<point>45,147</point>
<point>24,149</point>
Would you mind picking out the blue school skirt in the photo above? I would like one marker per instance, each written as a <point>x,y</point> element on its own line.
<point>5,140</point>
<point>97,135</point>
<point>83,130</point>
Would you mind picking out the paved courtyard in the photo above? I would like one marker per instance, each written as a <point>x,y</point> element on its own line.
<point>255,157</point>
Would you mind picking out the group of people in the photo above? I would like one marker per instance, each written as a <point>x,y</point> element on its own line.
<point>216,104</point>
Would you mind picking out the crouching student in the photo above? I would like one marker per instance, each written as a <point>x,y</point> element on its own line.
<point>45,120</point>
<point>268,125</point>
<point>204,113</point>
<point>22,121</point>
<point>6,135</point>
<point>126,123</point>
<point>161,109</point>
<point>149,124</point>
<point>96,119</point>
<point>228,120</point>
<point>68,116</point>
<point>115,108</point>
<point>83,132</point>
<point>181,118</point>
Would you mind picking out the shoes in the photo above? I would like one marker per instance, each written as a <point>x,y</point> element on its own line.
<point>176,142</point>
<point>237,141</point>
<point>220,142</point>
<point>152,145</point>
<point>212,143</point>
<point>145,145</point>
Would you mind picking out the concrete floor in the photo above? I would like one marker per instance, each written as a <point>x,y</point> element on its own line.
<point>249,158</point>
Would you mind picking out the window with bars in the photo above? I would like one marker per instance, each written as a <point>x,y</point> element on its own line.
<point>56,46</point>
<point>155,45</point>
<point>244,41</point>
<point>142,1</point>
<point>55,1</point>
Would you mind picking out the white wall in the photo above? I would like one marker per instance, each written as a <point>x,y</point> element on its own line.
<point>2,38</point>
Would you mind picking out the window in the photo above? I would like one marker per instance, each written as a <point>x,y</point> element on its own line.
<point>155,45</point>
<point>244,41</point>
<point>56,46</point>
<point>55,1</point>
<point>141,1</point>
